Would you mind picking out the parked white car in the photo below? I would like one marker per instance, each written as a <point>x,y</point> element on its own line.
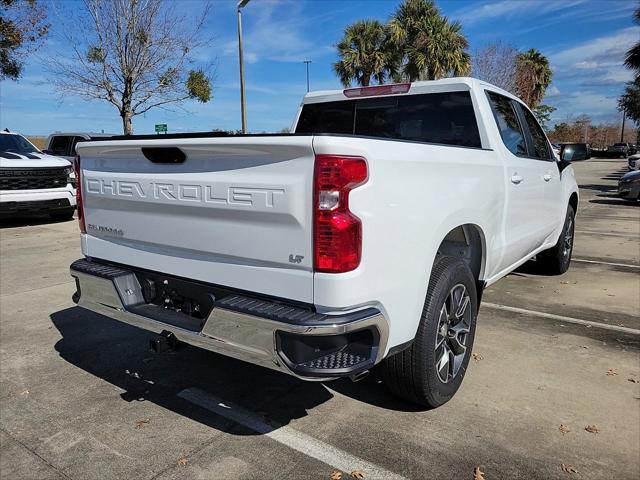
<point>32,181</point>
<point>365,238</point>
<point>634,162</point>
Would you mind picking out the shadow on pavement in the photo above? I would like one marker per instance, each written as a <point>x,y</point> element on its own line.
<point>598,187</point>
<point>615,201</point>
<point>119,354</point>
<point>29,221</point>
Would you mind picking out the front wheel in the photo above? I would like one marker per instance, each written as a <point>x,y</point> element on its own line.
<point>431,370</point>
<point>557,259</point>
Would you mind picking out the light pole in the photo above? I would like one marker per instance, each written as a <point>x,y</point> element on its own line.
<point>624,114</point>
<point>307,62</point>
<point>243,107</point>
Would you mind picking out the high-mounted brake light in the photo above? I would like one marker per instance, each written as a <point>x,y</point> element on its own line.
<point>337,242</point>
<point>390,89</point>
<point>79,204</point>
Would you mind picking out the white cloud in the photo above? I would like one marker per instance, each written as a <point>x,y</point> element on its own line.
<point>586,65</point>
<point>598,106</point>
<point>597,62</point>
<point>601,50</point>
<point>511,8</point>
<point>552,91</point>
<point>278,31</point>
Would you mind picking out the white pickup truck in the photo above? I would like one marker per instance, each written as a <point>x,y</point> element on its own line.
<point>33,182</point>
<point>364,238</point>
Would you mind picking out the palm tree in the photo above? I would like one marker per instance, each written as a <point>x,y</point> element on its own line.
<point>428,44</point>
<point>365,52</point>
<point>533,76</point>
<point>632,60</point>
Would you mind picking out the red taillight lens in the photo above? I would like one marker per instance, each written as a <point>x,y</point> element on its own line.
<point>79,204</point>
<point>337,232</point>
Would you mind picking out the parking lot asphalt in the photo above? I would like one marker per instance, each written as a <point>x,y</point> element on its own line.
<point>81,396</point>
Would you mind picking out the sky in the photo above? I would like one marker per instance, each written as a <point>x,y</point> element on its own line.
<point>585,41</point>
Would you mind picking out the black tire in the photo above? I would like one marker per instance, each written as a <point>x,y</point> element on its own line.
<point>62,215</point>
<point>412,373</point>
<point>557,259</point>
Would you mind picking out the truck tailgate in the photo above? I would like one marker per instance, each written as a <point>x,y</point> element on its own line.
<point>236,212</point>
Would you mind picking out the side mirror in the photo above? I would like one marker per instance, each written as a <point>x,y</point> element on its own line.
<point>566,154</point>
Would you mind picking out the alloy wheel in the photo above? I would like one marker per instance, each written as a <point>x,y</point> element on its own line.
<point>453,329</point>
<point>568,238</point>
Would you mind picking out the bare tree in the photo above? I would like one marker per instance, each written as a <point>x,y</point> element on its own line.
<point>496,64</point>
<point>134,54</point>
<point>581,129</point>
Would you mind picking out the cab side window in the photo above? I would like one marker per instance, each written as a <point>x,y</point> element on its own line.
<point>60,145</point>
<point>509,126</point>
<point>539,142</point>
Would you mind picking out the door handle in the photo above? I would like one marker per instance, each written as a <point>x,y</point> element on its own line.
<point>516,179</point>
<point>547,177</point>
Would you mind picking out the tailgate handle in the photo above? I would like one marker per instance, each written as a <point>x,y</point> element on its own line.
<point>164,154</point>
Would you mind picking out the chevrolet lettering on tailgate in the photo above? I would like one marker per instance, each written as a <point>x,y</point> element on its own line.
<point>217,194</point>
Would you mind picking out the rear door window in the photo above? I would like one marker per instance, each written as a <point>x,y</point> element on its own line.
<point>443,118</point>
<point>539,142</point>
<point>509,126</point>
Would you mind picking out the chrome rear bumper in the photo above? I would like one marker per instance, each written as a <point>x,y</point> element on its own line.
<point>240,327</point>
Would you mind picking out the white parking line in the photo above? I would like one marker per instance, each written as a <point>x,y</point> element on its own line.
<point>287,436</point>
<point>562,318</point>
<point>584,260</point>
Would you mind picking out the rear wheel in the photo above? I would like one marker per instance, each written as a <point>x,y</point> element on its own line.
<point>557,259</point>
<point>431,370</point>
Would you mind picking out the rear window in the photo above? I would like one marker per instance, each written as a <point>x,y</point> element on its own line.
<point>445,118</point>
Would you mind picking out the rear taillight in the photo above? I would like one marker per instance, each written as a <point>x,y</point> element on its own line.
<point>79,205</point>
<point>337,231</point>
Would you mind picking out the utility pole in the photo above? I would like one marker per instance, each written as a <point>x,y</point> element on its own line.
<point>624,114</point>
<point>307,62</point>
<point>243,108</point>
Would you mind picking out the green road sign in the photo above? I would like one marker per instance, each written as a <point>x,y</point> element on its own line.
<point>161,128</point>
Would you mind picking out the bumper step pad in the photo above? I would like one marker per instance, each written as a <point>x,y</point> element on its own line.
<point>98,269</point>
<point>338,360</point>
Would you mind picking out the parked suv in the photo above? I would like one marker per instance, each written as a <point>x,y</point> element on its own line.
<point>353,242</point>
<point>619,149</point>
<point>32,181</point>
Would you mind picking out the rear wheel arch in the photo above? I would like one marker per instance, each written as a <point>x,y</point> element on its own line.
<point>466,242</point>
